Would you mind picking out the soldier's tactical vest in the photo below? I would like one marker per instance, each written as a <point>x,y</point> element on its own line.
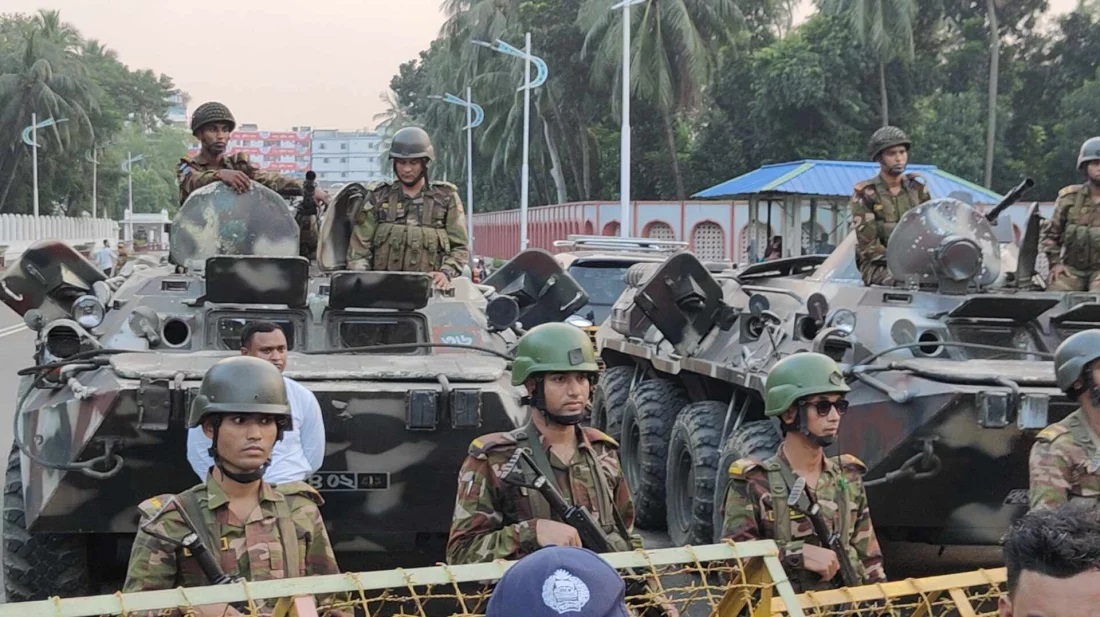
<point>1081,238</point>
<point>410,241</point>
<point>803,579</point>
<point>889,208</point>
<point>1084,437</point>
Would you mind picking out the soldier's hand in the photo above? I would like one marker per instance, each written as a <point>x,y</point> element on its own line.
<point>237,180</point>
<point>820,560</point>
<point>1057,271</point>
<point>320,195</point>
<point>549,532</point>
<point>440,281</point>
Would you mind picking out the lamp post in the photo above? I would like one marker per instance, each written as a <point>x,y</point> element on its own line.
<point>624,137</point>
<point>128,167</point>
<point>30,137</point>
<point>540,65</point>
<point>93,158</point>
<point>475,115</point>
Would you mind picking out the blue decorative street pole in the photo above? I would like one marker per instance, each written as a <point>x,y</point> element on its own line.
<point>475,115</point>
<point>625,229</point>
<point>30,137</point>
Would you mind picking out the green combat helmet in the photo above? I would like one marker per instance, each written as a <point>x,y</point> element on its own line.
<point>1072,357</point>
<point>553,348</point>
<point>886,137</point>
<point>798,376</point>
<point>1090,151</point>
<point>211,112</point>
<point>412,142</point>
<point>241,385</point>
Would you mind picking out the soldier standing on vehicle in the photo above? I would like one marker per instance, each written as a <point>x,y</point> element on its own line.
<point>301,451</point>
<point>212,124</point>
<point>412,225</point>
<point>806,391</point>
<point>493,519</point>
<point>1065,460</point>
<point>878,203</point>
<point>254,530</point>
<point>1071,238</point>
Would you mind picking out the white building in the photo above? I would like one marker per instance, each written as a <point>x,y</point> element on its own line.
<point>340,157</point>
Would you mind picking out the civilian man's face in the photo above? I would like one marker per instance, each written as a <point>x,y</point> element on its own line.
<point>1038,595</point>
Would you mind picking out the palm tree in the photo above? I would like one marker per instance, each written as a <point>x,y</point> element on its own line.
<point>44,78</point>
<point>673,53</point>
<point>885,27</point>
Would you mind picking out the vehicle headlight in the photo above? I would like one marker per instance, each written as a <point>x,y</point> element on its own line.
<point>88,311</point>
<point>578,321</point>
<point>843,319</point>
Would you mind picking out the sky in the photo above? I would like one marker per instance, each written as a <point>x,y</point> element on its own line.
<point>270,61</point>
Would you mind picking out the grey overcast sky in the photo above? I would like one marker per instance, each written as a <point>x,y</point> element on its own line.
<point>277,63</point>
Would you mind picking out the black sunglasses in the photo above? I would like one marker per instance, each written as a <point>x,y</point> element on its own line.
<point>824,406</point>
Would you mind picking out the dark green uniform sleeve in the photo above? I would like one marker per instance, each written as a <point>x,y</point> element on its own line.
<point>364,224</point>
<point>1051,239</point>
<point>459,254</point>
<point>869,249</point>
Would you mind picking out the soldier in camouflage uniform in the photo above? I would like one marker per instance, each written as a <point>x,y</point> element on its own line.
<point>254,530</point>
<point>212,124</point>
<point>1071,238</point>
<point>1065,460</point>
<point>878,203</point>
<point>411,225</point>
<point>497,520</point>
<point>806,391</point>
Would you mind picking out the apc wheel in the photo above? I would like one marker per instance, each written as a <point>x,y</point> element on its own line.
<point>37,566</point>
<point>757,440</point>
<point>690,472</point>
<point>647,424</point>
<point>610,398</point>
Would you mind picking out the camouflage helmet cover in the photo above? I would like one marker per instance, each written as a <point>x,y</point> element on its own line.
<point>553,348</point>
<point>412,142</point>
<point>241,385</point>
<point>886,137</point>
<point>211,112</point>
<point>1090,151</point>
<point>801,375</point>
<point>1073,355</point>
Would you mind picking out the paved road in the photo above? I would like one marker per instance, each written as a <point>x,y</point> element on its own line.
<point>16,347</point>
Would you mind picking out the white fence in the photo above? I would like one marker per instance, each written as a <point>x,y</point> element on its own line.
<point>18,231</point>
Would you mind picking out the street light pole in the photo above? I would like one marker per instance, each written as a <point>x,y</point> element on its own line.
<point>128,168</point>
<point>626,227</point>
<point>474,117</point>
<point>30,137</point>
<point>528,84</point>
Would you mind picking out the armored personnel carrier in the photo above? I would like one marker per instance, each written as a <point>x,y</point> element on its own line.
<point>949,369</point>
<point>406,377</point>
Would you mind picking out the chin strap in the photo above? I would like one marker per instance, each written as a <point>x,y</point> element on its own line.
<point>537,399</point>
<point>241,478</point>
<point>801,426</point>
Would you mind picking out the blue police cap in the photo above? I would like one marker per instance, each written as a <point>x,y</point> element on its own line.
<point>559,581</point>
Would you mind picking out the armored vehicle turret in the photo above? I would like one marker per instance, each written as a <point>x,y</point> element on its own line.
<point>406,376</point>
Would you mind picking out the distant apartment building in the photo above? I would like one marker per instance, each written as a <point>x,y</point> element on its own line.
<point>340,157</point>
<point>286,152</point>
<point>177,110</point>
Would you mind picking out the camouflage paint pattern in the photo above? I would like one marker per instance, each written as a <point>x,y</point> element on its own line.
<point>954,399</point>
<point>253,550</point>
<point>1071,237</point>
<point>42,270</point>
<point>215,220</point>
<point>425,233</point>
<point>751,515</point>
<point>494,520</point>
<point>875,212</point>
<point>1065,464</point>
<point>194,173</point>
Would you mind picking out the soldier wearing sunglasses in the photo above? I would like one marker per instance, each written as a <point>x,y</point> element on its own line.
<point>770,499</point>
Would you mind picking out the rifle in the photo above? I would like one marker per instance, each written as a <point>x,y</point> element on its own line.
<point>592,536</point>
<point>829,538</point>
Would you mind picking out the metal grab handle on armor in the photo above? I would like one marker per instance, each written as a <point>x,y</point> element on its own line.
<point>926,460</point>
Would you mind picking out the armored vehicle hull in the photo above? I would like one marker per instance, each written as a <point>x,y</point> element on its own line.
<point>950,382</point>
<point>406,376</point>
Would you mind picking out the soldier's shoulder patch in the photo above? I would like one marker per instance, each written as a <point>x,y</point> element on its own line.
<point>1052,432</point>
<point>377,185</point>
<point>152,506</point>
<point>1069,190</point>
<point>595,435</point>
<point>484,444</point>
<point>851,463</point>
<point>299,490</point>
<point>444,185</point>
<point>739,469</point>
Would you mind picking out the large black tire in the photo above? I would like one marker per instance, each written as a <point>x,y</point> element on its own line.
<point>647,424</point>
<point>757,440</point>
<point>610,398</point>
<point>37,566</point>
<point>690,472</point>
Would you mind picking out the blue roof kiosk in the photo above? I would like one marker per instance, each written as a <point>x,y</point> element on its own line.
<point>819,192</point>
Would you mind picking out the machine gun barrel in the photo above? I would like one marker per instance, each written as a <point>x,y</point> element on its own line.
<point>207,563</point>
<point>1012,197</point>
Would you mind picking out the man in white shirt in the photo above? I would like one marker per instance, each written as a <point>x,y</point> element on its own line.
<point>302,450</point>
<point>104,258</point>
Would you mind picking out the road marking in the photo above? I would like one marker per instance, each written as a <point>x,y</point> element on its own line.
<point>10,330</point>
